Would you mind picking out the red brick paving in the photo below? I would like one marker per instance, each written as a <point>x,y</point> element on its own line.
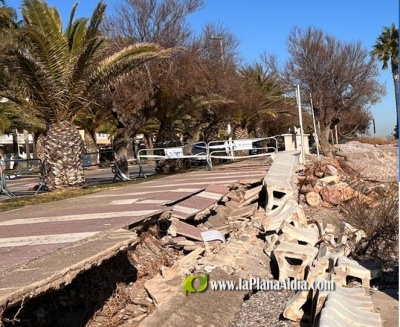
<point>14,255</point>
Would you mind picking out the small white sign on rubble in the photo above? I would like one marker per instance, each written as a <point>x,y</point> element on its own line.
<point>173,153</point>
<point>243,144</point>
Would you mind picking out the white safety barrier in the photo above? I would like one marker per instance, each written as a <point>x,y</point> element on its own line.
<point>226,149</point>
<point>222,149</point>
<point>171,153</point>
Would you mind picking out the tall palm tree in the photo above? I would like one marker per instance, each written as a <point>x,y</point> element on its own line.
<point>8,16</point>
<point>53,73</point>
<point>262,99</point>
<point>386,49</point>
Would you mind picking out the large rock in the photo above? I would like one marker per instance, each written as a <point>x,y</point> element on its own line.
<point>330,180</point>
<point>313,199</point>
<point>331,170</point>
<point>331,194</point>
<point>306,189</point>
<point>337,193</point>
<point>347,192</point>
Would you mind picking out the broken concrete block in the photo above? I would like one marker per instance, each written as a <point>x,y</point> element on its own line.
<point>184,229</point>
<point>293,308</point>
<point>308,235</point>
<point>329,318</point>
<point>277,182</point>
<point>358,293</point>
<point>354,233</point>
<point>243,212</point>
<point>351,298</point>
<point>348,267</point>
<point>252,192</point>
<point>365,303</point>
<point>293,258</point>
<point>290,212</point>
<point>270,243</point>
<point>351,314</point>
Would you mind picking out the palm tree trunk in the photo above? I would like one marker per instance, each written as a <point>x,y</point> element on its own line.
<point>241,133</point>
<point>148,140</point>
<point>63,150</point>
<point>40,147</point>
<point>120,144</point>
<point>211,133</point>
<point>259,133</point>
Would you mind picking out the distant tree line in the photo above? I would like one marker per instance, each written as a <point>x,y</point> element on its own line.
<point>143,70</point>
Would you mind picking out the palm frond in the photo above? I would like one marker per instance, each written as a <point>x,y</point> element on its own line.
<point>76,34</point>
<point>97,17</point>
<point>124,61</point>
<point>211,100</point>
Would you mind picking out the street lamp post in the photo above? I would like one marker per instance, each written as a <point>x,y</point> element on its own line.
<point>221,46</point>
<point>229,127</point>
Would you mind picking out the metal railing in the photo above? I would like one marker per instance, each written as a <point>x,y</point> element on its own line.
<point>230,147</point>
<point>176,152</point>
<point>23,168</point>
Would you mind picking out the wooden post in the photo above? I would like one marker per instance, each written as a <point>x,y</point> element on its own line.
<point>373,122</point>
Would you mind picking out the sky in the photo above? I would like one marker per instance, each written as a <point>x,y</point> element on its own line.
<point>264,26</point>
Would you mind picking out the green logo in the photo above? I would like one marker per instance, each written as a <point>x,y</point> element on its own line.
<point>188,284</point>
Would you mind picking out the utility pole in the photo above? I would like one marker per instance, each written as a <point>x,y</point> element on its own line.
<point>229,127</point>
<point>221,46</point>
<point>302,154</point>
<point>315,127</point>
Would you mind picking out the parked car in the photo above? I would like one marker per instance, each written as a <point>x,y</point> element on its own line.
<point>199,149</point>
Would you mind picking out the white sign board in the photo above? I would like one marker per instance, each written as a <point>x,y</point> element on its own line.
<point>243,144</point>
<point>173,153</point>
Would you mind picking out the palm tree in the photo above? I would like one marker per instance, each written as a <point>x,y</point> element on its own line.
<point>7,16</point>
<point>262,98</point>
<point>54,74</point>
<point>386,49</point>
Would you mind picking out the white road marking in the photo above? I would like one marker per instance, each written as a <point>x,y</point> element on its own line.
<point>89,216</point>
<point>225,182</point>
<point>150,201</point>
<point>124,201</point>
<point>194,190</point>
<point>44,239</point>
<point>185,209</point>
<point>210,195</point>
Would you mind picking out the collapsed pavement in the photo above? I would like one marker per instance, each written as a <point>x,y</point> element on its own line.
<point>300,249</point>
<point>235,234</point>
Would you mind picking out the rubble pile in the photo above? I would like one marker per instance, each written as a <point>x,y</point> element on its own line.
<point>326,184</point>
<point>225,239</point>
<point>245,237</point>
<point>311,251</point>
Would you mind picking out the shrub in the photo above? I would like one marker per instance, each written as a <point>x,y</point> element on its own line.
<point>374,140</point>
<point>380,222</point>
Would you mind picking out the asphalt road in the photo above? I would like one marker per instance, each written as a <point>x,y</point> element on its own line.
<point>21,185</point>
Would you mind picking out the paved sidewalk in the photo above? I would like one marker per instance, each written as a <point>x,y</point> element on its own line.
<point>37,232</point>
